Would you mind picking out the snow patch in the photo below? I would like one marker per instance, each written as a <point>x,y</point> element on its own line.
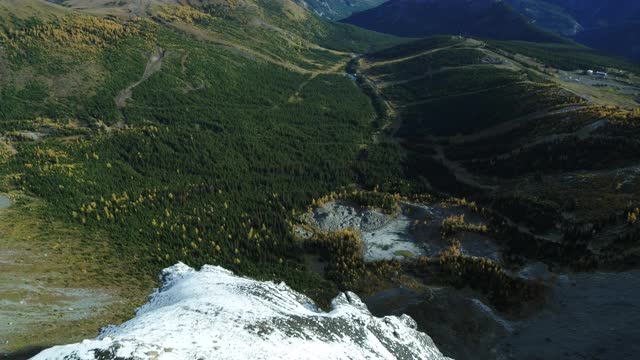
<point>213,314</point>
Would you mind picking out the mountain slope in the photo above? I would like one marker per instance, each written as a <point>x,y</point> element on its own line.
<point>188,134</point>
<point>203,134</point>
<point>340,9</point>
<point>418,18</point>
<point>520,127</point>
<point>594,13</point>
<point>213,314</point>
<point>548,16</point>
<point>610,26</point>
<point>330,9</point>
<point>622,40</point>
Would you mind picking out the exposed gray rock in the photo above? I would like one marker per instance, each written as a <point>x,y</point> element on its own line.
<point>334,216</point>
<point>213,314</point>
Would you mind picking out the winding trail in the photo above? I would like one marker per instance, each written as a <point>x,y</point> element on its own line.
<point>332,70</point>
<point>410,57</point>
<point>203,35</point>
<point>507,126</point>
<point>153,65</point>
<point>141,7</point>
<point>459,171</point>
<point>468,43</point>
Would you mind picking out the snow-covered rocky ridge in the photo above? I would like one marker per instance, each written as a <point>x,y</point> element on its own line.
<point>214,314</point>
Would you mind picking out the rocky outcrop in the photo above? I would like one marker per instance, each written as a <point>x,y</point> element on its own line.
<point>213,314</point>
<point>334,216</point>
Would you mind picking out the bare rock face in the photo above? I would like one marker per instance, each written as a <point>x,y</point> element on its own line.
<point>213,314</point>
<point>334,216</point>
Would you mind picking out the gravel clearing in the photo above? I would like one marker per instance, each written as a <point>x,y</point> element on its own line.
<point>394,236</point>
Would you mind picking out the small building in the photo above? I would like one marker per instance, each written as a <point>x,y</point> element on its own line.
<point>601,74</point>
<point>590,72</point>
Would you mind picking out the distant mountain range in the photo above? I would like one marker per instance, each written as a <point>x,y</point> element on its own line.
<point>548,15</point>
<point>482,18</point>
<point>611,26</point>
<point>598,13</point>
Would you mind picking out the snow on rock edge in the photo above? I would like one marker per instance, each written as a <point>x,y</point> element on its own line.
<point>213,314</point>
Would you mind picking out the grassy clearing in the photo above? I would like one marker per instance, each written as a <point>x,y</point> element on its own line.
<point>50,268</point>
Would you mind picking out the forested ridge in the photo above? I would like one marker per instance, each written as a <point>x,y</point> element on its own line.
<point>209,134</point>
<point>212,156</point>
